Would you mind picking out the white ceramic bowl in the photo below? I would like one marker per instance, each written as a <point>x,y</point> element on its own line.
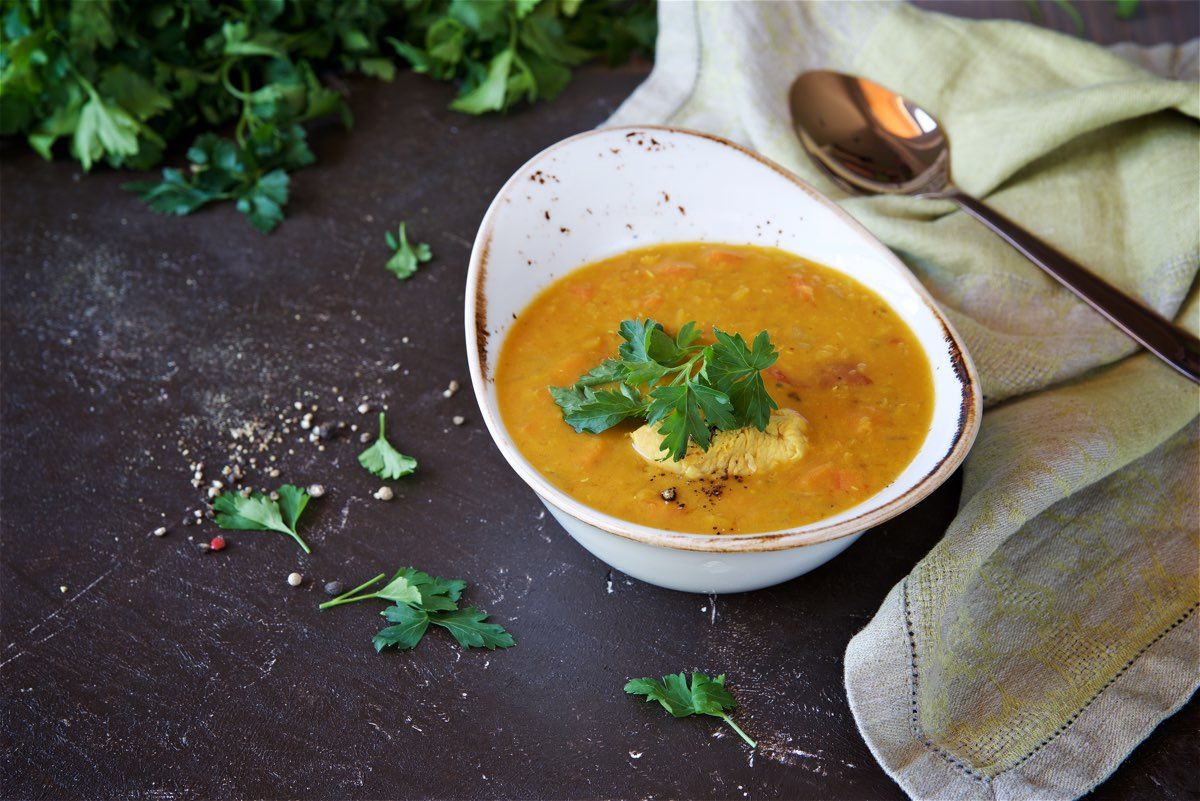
<point>606,191</point>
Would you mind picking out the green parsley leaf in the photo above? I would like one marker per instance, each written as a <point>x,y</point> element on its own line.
<point>406,257</point>
<point>687,413</point>
<point>432,587</point>
<point>292,501</point>
<point>400,590</point>
<point>705,696</point>
<point>468,627</point>
<point>606,372</point>
<point>678,410</point>
<point>488,91</point>
<point>257,512</point>
<point>133,91</point>
<point>411,627</point>
<point>732,367</point>
<point>444,42</point>
<point>586,409</point>
<point>640,366</point>
<point>687,336</point>
<point>104,128</point>
<point>382,460</point>
<point>263,202</point>
<point>174,194</point>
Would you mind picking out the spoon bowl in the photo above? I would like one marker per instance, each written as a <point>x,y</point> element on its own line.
<point>872,140</point>
<point>868,138</point>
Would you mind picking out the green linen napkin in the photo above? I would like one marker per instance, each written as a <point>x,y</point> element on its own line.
<point>1055,624</point>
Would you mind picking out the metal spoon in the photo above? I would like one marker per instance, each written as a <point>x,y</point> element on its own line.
<point>870,139</point>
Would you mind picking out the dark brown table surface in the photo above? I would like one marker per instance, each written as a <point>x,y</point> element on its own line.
<point>134,666</point>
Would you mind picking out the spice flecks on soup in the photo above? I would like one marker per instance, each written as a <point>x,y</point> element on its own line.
<point>847,367</point>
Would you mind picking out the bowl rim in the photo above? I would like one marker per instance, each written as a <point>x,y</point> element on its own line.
<point>785,539</point>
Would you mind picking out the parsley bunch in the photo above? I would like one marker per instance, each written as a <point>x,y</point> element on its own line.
<point>421,600</point>
<point>120,80</point>
<point>688,388</point>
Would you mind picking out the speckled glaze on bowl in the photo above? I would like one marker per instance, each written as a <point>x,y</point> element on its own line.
<point>606,191</point>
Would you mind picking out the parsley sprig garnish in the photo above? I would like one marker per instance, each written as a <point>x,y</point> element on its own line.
<point>706,696</point>
<point>685,388</point>
<point>421,600</point>
<point>258,512</point>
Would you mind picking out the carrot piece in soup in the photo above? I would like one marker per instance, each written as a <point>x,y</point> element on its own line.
<point>675,269</point>
<point>591,455</point>
<point>844,374</point>
<point>780,376</point>
<point>651,302</point>
<point>802,288</point>
<point>815,476</point>
<point>723,257</point>
<point>846,479</point>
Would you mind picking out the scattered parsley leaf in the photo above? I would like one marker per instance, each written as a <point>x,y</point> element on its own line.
<point>406,258</point>
<point>431,587</point>
<point>257,512</point>
<point>686,388</point>
<point>411,625</point>
<point>292,501</point>
<point>705,696</point>
<point>407,585</point>
<point>382,460</point>
<point>421,600</point>
<point>468,627</point>
<point>399,589</point>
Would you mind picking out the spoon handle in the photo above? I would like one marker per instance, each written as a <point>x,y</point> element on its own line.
<point>1156,333</point>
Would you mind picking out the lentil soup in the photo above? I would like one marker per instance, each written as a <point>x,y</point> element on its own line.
<point>847,363</point>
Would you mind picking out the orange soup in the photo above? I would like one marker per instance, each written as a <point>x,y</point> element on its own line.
<point>846,363</point>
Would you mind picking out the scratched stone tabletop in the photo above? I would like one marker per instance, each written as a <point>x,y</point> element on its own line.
<point>136,666</point>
